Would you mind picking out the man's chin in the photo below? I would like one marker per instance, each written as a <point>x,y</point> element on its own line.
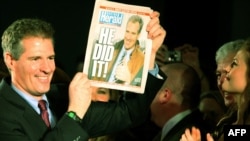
<point>44,90</point>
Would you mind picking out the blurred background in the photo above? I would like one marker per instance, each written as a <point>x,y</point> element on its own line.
<point>204,24</point>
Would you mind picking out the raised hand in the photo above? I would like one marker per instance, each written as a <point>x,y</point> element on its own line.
<point>79,94</point>
<point>157,33</point>
<point>190,55</point>
<point>194,135</point>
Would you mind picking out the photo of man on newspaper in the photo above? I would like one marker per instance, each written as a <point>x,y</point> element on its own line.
<point>119,50</point>
<point>125,58</point>
<point>127,63</point>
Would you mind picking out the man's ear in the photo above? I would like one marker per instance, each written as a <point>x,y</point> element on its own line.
<point>165,96</point>
<point>8,59</point>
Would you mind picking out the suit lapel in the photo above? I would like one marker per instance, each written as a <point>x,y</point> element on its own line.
<point>193,119</point>
<point>27,117</point>
<point>33,123</point>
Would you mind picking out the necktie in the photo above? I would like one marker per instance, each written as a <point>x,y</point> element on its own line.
<point>123,57</point>
<point>118,62</point>
<point>43,112</point>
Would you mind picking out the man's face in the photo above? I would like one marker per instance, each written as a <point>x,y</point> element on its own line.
<point>221,74</point>
<point>33,71</point>
<point>131,35</point>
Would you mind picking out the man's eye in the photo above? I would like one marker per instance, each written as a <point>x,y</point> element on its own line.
<point>218,75</point>
<point>35,59</point>
<point>52,58</point>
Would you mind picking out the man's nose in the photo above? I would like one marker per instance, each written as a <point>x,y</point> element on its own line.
<point>46,66</point>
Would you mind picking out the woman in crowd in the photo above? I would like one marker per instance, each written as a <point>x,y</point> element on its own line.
<point>237,80</point>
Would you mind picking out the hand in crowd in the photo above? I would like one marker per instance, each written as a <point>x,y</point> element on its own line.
<point>194,135</point>
<point>79,94</point>
<point>190,55</point>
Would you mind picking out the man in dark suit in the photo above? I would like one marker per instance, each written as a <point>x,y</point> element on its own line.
<point>29,56</point>
<point>175,107</point>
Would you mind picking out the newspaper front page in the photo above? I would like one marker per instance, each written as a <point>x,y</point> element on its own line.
<point>118,50</point>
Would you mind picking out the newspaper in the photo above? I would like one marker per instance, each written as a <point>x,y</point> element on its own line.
<point>118,52</point>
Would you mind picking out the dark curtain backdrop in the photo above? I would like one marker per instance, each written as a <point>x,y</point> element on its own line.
<point>205,24</point>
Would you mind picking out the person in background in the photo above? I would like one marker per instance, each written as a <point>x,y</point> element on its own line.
<point>223,57</point>
<point>187,54</point>
<point>234,81</point>
<point>29,55</point>
<point>190,56</point>
<point>213,108</point>
<point>105,94</point>
<point>175,107</point>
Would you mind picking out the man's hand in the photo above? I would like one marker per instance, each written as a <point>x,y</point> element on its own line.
<point>190,55</point>
<point>157,33</point>
<point>79,94</point>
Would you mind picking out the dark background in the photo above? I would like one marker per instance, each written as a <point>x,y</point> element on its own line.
<point>206,24</point>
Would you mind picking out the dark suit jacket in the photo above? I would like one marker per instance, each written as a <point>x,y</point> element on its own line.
<point>193,119</point>
<point>19,122</point>
<point>102,118</point>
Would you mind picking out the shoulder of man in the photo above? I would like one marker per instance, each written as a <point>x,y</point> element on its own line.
<point>119,44</point>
